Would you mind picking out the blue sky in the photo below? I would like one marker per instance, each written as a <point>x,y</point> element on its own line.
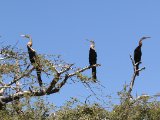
<point>61,27</point>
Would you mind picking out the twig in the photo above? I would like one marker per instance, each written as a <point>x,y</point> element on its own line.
<point>81,70</point>
<point>67,68</point>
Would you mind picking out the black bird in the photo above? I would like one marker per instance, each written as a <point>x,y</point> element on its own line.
<point>93,59</point>
<point>34,59</point>
<point>138,54</point>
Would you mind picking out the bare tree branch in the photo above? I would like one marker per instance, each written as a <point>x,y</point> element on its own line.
<point>56,79</point>
<point>134,76</point>
<point>52,88</point>
<point>66,69</point>
<point>53,83</point>
<point>82,70</point>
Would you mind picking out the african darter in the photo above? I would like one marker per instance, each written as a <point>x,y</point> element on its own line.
<point>34,58</point>
<point>138,54</point>
<point>93,59</point>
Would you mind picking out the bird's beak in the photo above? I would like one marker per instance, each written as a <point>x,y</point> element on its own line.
<point>87,40</point>
<point>144,38</point>
<point>92,41</point>
<point>22,35</point>
<point>148,37</point>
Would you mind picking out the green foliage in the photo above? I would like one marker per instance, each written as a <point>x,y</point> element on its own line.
<point>141,108</point>
<point>38,110</point>
<point>80,111</point>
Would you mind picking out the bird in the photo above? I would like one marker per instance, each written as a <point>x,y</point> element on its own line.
<point>34,58</point>
<point>138,54</point>
<point>93,59</point>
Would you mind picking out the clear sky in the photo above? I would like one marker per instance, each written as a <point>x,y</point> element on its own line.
<point>61,27</point>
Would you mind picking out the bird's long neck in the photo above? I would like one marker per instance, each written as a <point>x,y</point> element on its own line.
<point>140,43</point>
<point>92,46</point>
<point>30,43</point>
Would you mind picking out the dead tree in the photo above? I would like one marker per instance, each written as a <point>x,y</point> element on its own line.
<point>134,75</point>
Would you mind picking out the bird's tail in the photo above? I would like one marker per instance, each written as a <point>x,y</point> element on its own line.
<point>137,67</point>
<point>39,76</point>
<point>94,77</point>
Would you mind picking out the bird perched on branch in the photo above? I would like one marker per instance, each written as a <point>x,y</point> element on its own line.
<point>93,59</point>
<point>138,54</point>
<point>34,58</point>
